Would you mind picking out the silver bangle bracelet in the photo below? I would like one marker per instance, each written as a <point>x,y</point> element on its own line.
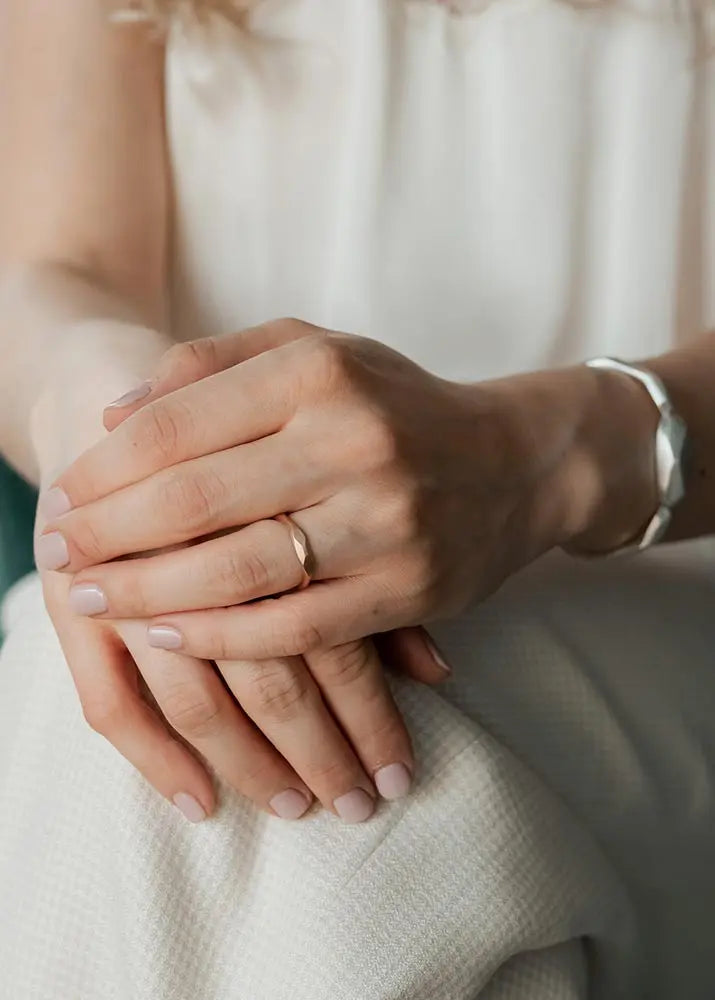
<point>671,438</point>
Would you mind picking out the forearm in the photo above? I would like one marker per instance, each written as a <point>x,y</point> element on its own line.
<point>69,346</point>
<point>83,212</point>
<point>604,492</point>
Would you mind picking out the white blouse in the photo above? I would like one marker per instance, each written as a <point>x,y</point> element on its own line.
<point>487,188</point>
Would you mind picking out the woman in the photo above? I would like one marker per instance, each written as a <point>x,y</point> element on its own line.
<point>396,168</point>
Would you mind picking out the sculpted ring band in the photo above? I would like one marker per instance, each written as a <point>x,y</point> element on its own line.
<point>301,547</point>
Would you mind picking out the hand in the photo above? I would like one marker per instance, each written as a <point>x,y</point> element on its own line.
<point>349,679</point>
<point>154,707</point>
<point>130,692</point>
<point>107,660</point>
<point>417,495</point>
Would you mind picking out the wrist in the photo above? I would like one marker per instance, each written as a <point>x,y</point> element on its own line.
<point>580,442</point>
<point>96,362</point>
<point>612,466</point>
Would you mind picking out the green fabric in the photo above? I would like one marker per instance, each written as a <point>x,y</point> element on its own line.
<point>17,514</point>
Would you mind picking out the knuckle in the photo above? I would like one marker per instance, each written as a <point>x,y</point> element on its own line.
<point>163,430</point>
<point>257,771</point>
<point>128,591</point>
<point>125,588</point>
<point>380,444</point>
<point>344,665</point>
<point>211,642</point>
<point>385,728</point>
<point>280,691</point>
<point>192,712</point>
<point>330,774</point>
<point>403,516</point>
<point>222,574</point>
<point>245,574</point>
<point>328,358</point>
<point>104,715</point>
<point>191,360</point>
<point>255,574</point>
<point>289,325</point>
<point>192,499</point>
<point>298,635</point>
<point>425,586</point>
<point>87,541</point>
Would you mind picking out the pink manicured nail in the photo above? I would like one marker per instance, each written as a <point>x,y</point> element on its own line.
<point>355,807</point>
<point>88,599</point>
<point>437,656</point>
<point>51,551</point>
<point>164,637</point>
<point>190,807</point>
<point>290,804</point>
<point>54,503</point>
<point>133,396</point>
<point>393,781</point>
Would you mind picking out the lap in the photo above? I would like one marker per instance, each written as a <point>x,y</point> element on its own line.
<point>602,677</point>
<point>107,893</point>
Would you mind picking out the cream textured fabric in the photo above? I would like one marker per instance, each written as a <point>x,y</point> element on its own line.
<point>487,193</point>
<point>109,895</point>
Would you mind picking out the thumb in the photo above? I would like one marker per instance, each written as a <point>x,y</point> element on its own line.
<point>413,652</point>
<point>193,360</point>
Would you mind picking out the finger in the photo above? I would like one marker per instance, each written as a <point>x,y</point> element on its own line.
<point>324,615</point>
<point>256,561</point>
<point>232,407</point>
<point>413,652</point>
<point>189,362</point>
<point>206,495</point>
<point>253,562</point>
<point>106,681</point>
<point>353,684</point>
<point>283,700</point>
<point>197,705</point>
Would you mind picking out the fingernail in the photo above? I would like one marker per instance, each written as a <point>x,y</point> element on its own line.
<point>133,396</point>
<point>190,807</point>
<point>393,781</point>
<point>164,637</point>
<point>290,804</point>
<point>437,656</point>
<point>51,551</point>
<point>54,503</point>
<point>355,807</point>
<point>88,599</point>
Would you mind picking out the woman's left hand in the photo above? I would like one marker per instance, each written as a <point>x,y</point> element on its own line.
<point>416,495</point>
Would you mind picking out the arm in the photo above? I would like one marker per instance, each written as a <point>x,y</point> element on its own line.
<point>83,217</point>
<point>605,492</point>
<point>83,221</point>
<point>437,494</point>
<point>82,257</point>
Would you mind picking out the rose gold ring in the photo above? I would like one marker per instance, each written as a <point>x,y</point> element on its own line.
<point>302,549</point>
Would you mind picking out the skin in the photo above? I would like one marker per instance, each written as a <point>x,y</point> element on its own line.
<point>422,508</point>
<point>412,515</point>
<point>83,234</point>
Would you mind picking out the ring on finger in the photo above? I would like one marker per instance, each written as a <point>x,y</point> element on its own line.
<point>302,549</point>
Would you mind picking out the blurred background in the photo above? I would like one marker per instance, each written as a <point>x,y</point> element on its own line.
<point>17,512</point>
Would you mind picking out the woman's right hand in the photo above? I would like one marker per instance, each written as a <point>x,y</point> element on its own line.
<point>265,728</point>
<point>167,715</point>
<point>176,719</point>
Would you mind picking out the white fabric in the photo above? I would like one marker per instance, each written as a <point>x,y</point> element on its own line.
<point>486,192</point>
<point>109,894</point>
